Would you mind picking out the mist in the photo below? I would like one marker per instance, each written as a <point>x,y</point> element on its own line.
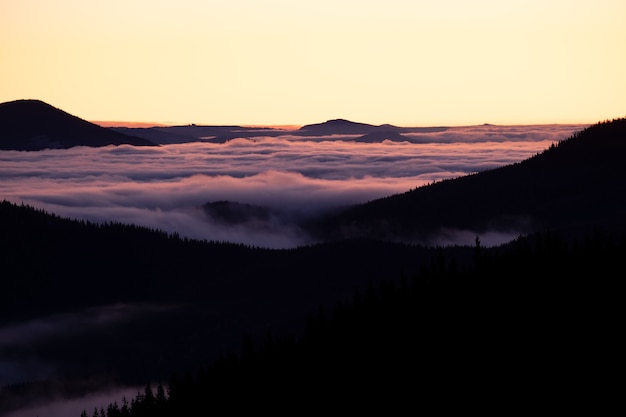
<point>27,355</point>
<point>21,344</point>
<point>63,407</point>
<point>165,187</point>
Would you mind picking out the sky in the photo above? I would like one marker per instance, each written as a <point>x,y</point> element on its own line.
<point>405,62</point>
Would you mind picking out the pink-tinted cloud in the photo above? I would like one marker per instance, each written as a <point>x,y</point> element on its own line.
<point>163,187</point>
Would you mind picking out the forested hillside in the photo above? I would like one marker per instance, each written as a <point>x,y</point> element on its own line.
<point>131,305</point>
<point>529,325</point>
<point>575,187</point>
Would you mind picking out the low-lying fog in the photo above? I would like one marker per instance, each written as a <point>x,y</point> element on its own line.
<point>164,187</point>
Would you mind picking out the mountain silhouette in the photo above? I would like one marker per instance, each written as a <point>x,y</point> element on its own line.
<point>343,127</point>
<point>347,127</point>
<point>32,125</point>
<point>340,128</point>
<point>574,186</point>
<point>164,135</point>
<point>234,213</point>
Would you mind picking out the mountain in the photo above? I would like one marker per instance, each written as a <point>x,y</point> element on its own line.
<point>341,126</point>
<point>164,135</point>
<point>169,293</point>
<point>32,125</point>
<point>575,186</point>
<point>341,129</point>
<point>504,332</point>
<point>371,133</point>
<point>234,213</point>
<point>158,135</point>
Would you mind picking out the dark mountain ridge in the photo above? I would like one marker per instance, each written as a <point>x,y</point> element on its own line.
<point>573,186</point>
<point>347,127</point>
<point>205,294</point>
<point>341,126</point>
<point>32,125</point>
<point>319,131</point>
<point>234,213</point>
<point>199,133</point>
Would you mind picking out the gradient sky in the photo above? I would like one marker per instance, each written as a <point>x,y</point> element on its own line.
<point>406,62</point>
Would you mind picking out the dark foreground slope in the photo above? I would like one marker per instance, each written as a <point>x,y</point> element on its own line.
<point>528,321</point>
<point>575,186</point>
<point>531,325</point>
<point>136,304</point>
<point>32,125</point>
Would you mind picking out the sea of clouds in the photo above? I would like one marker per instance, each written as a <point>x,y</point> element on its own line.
<point>164,187</point>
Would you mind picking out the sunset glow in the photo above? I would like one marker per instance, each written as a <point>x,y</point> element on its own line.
<point>273,200</point>
<point>410,63</point>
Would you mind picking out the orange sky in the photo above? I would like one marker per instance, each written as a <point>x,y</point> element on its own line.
<point>126,124</point>
<point>253,62</point>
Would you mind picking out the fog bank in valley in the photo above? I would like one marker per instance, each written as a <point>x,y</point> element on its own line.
<point>165,187</point>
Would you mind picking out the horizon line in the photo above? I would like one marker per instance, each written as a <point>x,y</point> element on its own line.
<point>287,126</point>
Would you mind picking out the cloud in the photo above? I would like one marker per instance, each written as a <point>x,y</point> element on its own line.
<point>63,407</point>
<point>164,187</point>
<point>21,343</point>
<point>496,133</point>
<point>23,334</point>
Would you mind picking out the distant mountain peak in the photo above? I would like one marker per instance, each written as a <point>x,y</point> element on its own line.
<point>233,213</point>
<point>339,126</point>
<point>32,125</point>
<point>342,121</point>
<point>25,101</point>
<point>335,122</point>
